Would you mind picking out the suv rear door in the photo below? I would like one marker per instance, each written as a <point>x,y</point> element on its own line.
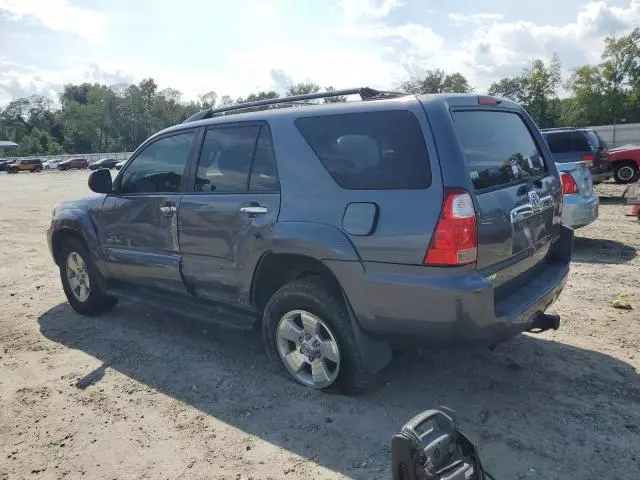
<point>517,191</point>
<point>232,201</point>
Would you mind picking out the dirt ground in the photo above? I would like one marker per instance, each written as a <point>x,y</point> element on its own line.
<point>140,395</point>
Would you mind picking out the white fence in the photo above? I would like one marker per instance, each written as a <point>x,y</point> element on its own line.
<point>619,135</point>
<point>119,156</point>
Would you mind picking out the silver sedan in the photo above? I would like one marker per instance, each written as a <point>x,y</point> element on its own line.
<point>581,203</point>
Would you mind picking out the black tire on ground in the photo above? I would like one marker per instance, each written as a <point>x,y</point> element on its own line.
<point>96,303</point>
<point>626,172</point>
<point>314,295</point>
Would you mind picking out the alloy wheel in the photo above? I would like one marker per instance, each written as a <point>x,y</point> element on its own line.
<point>78,277</point>
<point>308,349</point>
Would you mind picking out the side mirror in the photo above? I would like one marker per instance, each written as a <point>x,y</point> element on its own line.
<point>100,181</point>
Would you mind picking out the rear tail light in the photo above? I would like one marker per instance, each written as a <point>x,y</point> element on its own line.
<point>569,185</point>
<point>588,158</point>
<point>455,240</point>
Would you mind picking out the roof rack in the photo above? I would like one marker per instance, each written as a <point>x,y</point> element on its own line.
<point>365,93</point>
<point>557,128</point>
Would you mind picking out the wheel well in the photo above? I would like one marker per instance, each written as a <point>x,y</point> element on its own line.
<point>59,238</point>
<point>625,161</point>
<point>276,270</point>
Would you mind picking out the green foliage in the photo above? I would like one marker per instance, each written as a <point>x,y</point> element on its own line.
<point>303,89</point>
<point>98,118</point>
<point>338,99</point>
<point>537,89</point>
<point>437,81</point>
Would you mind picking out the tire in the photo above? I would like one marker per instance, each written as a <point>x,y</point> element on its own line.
<point>95,302</point>
<point>311,295</point>
<point>626,172</point>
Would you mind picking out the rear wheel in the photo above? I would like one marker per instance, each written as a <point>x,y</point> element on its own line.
<point>80,279</point>
<point>626,173</point>
<point>307,331</point>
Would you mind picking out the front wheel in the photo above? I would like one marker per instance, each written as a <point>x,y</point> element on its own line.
<point>80,279</point>
<point>307,331</point>
<point>626,173</point>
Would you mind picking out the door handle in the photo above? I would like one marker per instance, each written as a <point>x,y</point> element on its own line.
<point>168,209</point>
<point>254,210</point>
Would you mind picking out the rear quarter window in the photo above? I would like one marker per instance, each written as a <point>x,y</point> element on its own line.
<point>498,148</point>
<point>370,151</point>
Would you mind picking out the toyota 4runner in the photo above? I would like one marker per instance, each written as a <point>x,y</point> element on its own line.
<point>339,229</point>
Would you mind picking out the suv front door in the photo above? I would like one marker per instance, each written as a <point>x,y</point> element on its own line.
<point>138,222</point>
<point>233,203</point>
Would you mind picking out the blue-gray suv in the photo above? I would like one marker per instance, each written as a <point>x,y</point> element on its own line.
<point>340,229</point>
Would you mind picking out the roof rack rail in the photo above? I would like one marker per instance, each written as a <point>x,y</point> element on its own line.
<point>365,93</point>
<point>557,128</point>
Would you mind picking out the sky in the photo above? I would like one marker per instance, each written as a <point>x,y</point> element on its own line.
<point>236,47</point>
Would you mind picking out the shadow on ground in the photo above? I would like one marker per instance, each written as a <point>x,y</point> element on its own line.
<point>533,405</point>
<point>607,200</point>
<point>598,250</point>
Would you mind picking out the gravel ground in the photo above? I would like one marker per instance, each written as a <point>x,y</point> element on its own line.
<point>136,394</point>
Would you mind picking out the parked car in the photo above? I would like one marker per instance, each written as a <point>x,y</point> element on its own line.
<point>119,165</point>
<point>103,163</point>
<point>626,163</point>
<point>3,165</point>
<point>581,202</point>
<point>570,145</point>
<point>77,163</point>
<point>27,165</point>
<point>341,229</point>
<point>51,164</point>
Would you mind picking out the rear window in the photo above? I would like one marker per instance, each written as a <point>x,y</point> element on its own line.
<point>370,151</point>
<point>558,142</point>
<point>498,148</point>
<point>596,140</point>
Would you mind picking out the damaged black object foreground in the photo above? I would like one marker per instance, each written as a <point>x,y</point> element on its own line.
<point>430,446</point>
<point>340,230</point>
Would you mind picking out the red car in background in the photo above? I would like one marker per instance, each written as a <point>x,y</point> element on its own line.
<point>78,163</point>
<point>626,163</point>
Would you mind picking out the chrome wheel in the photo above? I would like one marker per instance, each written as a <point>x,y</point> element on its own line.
<point>78,277</point>
<point>308,349</point>
<point>626,173</point>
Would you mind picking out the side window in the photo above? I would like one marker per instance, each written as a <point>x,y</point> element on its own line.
<point>225,159</point>
<point>263,172</point>
<point>579,142</point>
<point>370,151</point>
<point>559,143</point>
<point>159,167</point>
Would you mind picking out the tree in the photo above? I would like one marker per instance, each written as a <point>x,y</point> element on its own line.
<point>509,87</point>
<point>621,73</point>
<point>537,88</point>
<point>456,83</point>
<point>338,99</point>
<point>586,106</point>
<point>208,100</point>
<point>437,81</point>
<point>303,89</point>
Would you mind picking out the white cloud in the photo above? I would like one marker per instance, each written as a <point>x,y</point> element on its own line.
<point>511,45</point>
<point>59,15</point>
<point>420,37</point>
<point>458,19</point>
<point>354,9</point>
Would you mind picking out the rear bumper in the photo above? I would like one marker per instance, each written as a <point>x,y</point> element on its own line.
<point>432,306</point>
<point>579,211</point>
